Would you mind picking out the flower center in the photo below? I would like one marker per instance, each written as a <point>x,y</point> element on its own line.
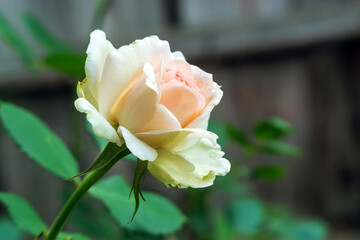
<point>180,93</point>
<point>174,74</point>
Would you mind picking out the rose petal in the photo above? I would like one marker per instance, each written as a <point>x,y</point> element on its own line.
<point>195,165</point>
<point>124,68</point>
<point>212,93</point>
<point>170,138</point>
<point>97,51</point>
<point>139,148</point>
<point>101,127</point>
<point>184,102</point>
<point>178,55</point>
<point>140,110</point>
<point>83,91</point>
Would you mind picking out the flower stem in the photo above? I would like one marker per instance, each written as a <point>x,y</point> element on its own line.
<point>86,184</point>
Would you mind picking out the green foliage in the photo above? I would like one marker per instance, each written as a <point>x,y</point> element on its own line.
<point>287,227</point>
<point>272,129</point>
<point>306,229</point>
<point>237,134</point>
<point>157,215</point>
<point>71,236</point>
<point>42,34</point>
<point>8,230</point>
<point>26,218</point>
<point>280,149</point>
<point>38,141</point>
<point>220,130</point>
<point>15,41</point>
<point>23,214</point>
<point>247,215</point>
<point>68,63</point>
<point>269,172</point>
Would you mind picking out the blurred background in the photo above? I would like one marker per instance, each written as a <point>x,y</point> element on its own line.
<point>298,60</point>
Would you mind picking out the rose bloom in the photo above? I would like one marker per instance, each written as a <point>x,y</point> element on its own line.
<point>156,103</point>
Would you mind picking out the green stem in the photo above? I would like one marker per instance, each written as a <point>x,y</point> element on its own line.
<point>90,180</point>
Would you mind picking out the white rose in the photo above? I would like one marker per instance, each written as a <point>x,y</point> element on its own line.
<point>158,104</point>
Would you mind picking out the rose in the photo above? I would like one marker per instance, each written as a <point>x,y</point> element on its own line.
<point>159,105</point>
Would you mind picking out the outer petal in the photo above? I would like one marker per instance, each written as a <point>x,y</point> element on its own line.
<point>97,51</point>
<point>101,127</point>
<point>191,160</point>
<point>83,91</point>
<point>184,102</point>
<point>179,55</point>
<point>139,148</point>
<point>140,111</point>
<point>212,93</point>
<point>124,68</point>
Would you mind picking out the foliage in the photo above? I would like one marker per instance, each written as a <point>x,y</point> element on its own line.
<point>47,150</point>
<point>38,141</point>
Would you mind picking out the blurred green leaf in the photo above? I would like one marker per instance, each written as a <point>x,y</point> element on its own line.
<point>22,213</point>
<point>67,63</point>
<point>269,172</point>
<point>309,230</point>
<point>290,229</point>
<point>42,34</point>
<point>72,236</point>
<point>221,226</point>
<point>281,149</point>
<point>15,41</point>
<point>157,215</point>
<point>272,129</point>
<point>238,135</point>
<point>247,215</point>
<point>8,231</point>
<point>219,129</point>
<point>38,141</point>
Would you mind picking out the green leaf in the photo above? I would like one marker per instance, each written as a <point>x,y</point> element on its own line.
<point>272,129</point>
<point>287,228</point>
<point>8,231</point>
<point>42,34</point>
<point>110,152</point>
<point>157,215</point>
<point>15,41</point>
<point>219,129</point>
<point>238,135</point>
<point>281,149</point>
<point>221,226</point>
<point>247,215</point>
<point>309,230</point>
<point>67,63</point>
<point>38,141</point>
<point>269,172</point>
<point>72,236</point>
<point>22,214</point>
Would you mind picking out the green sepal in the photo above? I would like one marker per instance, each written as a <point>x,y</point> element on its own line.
<point>139,175</point>
<point>110,152</point>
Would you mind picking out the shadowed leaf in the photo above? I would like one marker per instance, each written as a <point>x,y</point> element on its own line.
<point>156,216</point>
<point>38,141</point>
<point>23,214</point>
<point>42,34</point>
